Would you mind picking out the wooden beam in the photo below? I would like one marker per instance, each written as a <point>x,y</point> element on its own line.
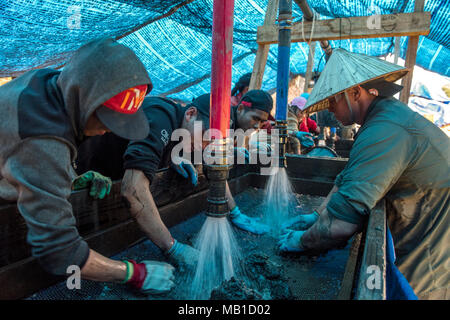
<point>371,283</point>
<point>410,60</point>
<point>263,50</point>
<point>392,25</point>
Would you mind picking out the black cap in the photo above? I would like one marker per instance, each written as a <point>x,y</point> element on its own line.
<point>243,82</point>
<point>258,99</point>
<point>203,105</point>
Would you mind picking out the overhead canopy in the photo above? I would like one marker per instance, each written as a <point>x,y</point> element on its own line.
<point>175,39</point>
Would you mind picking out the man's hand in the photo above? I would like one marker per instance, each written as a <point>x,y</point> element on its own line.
<point>183,254</point>
<point>301,221</point>
<point>291,241</point>
<point>185,168</point>
<point>247,223</point>
<point>150,277</point>
<point>100,185</point>
<point>306,139</point>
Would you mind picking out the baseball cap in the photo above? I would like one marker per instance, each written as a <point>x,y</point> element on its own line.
<point>202,103</point>
<point>122,113</point>
<point>258,99</point>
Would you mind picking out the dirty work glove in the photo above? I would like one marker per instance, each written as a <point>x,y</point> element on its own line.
<point>183,254</point>
<point>243,152</point>
<point>100,185</point>
<point>150,277</point>
<point>247,223</point>
<point>290,241</point>
<point>301,221</point>
<point>186,169</point>
<point>306,138</point>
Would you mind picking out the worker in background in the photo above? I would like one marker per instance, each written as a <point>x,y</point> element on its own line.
<point>397,155</point>
<point>300,127</point>
<point>251,112</point>
<point>137,162</point>
<point>45,115</point>
<point>240,88</point>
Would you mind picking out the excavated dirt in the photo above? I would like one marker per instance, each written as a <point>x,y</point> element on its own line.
<point>266,274</point>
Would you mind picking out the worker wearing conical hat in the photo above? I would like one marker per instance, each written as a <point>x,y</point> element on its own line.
<point>397,155</point>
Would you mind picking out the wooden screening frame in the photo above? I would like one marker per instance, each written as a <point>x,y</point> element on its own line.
<point>412,25</point>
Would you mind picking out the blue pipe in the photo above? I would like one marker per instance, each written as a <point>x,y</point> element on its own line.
<point>284,51</point>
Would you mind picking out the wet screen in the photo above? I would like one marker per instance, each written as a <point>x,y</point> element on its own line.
<point>260,272</point>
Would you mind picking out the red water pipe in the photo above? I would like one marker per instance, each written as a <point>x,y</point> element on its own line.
<point>222,54</point>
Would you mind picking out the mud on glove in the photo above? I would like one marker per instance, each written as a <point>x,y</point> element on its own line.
<point>186,169</point>
<point>306,138</point>
<point>183,254</point>
<point>247,223</point>
<point>291,241</point>
<point>150,277</point>
<point>100,185</point>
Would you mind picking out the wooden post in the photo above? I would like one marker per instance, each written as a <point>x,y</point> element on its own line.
<point>410,60</point>
<point>396,49</point>
<point>371,284</point>
<point>263,49</point>
<point>310,65</point>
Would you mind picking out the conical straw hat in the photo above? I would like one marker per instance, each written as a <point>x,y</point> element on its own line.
<point>345,70</point>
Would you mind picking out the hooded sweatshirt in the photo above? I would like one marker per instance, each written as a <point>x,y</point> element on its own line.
<point>44,113</point>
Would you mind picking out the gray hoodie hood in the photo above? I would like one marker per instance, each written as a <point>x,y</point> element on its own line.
<point>96,72</point>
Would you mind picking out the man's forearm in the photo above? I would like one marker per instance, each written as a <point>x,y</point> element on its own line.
<point>136,189</point>
<point>328,232</point>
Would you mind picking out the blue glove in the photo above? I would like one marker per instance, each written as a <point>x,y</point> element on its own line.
<point>291,241</point>
<point>243,152</point>
<point>306,138</point>
<point>247,223</point>
<point>183,254</point>
<point>186,169</point>
<point>301,221</point>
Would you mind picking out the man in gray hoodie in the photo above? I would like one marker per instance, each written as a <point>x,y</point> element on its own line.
<point>45,115</point>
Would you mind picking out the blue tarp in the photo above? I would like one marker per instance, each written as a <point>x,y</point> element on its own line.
<point>176,49</point>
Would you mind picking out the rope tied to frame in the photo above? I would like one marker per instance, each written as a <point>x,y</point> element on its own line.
<point>311,35</point>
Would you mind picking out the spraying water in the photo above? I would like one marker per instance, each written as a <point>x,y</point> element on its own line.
<point>280,200</point>
<point>219,257</point>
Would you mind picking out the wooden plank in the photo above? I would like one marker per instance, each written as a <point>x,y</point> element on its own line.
<point>410,60</point>
<point>263,50</point>
<point>371,284</point>
<point>317,168</point>
<point>349,278</point>
<point>392,25</point>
